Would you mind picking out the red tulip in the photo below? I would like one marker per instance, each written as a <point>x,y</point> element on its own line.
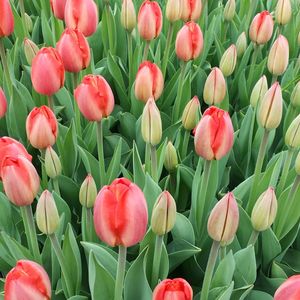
<point>20,180</point>
<point>58,8</point>
<point>149,82</point>
<point>94,98</point>
<point>289,290</point>
<point>48,72</point>
<point>82,15</point>
<point>3,103</point>
<point>173,289</point>
<point>191,10</point>
<point>41,127</point>
<point>214,134</point>
<point>27,281</point>
<point>189,41</point>
<point>149,20</point>
<point>6,19</point>
<point>120,213</point>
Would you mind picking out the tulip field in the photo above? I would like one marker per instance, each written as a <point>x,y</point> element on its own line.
<point>150,150</point>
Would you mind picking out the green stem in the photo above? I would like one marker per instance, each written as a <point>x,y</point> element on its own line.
<point>285,171</point>
<point>185,143</point>
<point>120,273</point>
<point>153,155</point>
<point>226,26</point>
<point>253,238</point>
<point>129,49</point>
<point>44,173</point>
<point>147,158</point>
<point>167,49</point>
<point>56,186</point>
<point>252,65</point>
<point>209,269</point>
<point>22,10</point>
<point>156,260</point>
<point>87,223</point>
<point>146,50</point>
<point>76,108</point>
<point>5,67</point>
<point>101,153</point>
<point>222,252</point>
<point>251,132</point>
<point>50,103</point>
<point>274,79</point>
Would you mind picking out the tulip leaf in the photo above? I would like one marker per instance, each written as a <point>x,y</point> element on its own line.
<point>259,295</point>
<point>183,229</point>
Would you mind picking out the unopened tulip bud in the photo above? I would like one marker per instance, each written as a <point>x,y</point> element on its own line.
<point>214,88</point>
<point>229,10</point>
<point>264,210</point>
<point>173,10</point>
<point>228,61</point>
<point>297,164</point>
<point>269,112</point>
<point>6,19</point>
<point>295,97</point>
<point>28,22</point>
<point>88,192</point>
<point>128,15</point>
<point>190,10</point>
<point>190,115</point>
<point>58,8</point>
<point>3,104</point>
<point>47,217</point>
<point>151,123</point>
<point>171,159</point>
<point>163,214</point>
<point>52,163</point>
<point>259,91</point>
<point>283,12</point>
<point>30,50</point>
<point>278,58</point>
<point>224,219</point>
<point>292,136</point>
<point>241,44</point>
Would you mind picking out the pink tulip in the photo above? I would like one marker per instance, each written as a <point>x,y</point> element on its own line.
<point>191,10</point>
<point>58,8</point>
<point>289,290</point>
<point>6,19</point>
<point>3,104</point>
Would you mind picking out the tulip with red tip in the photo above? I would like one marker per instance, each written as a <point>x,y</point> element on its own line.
<point>94,98</point>
<point>190,10</point>
<point>58,8</point>
<point>121,214</point>
<point>289,290</point>
<point>6,19</point>
<point>3,104</point>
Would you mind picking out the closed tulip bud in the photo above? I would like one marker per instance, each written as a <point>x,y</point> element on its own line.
<point>295,97</point>
<point>20,180</point>
<point>6,19</point>
<point>58,8</point>
<point>48,72</point>
<point>264,210</point>
<point>88,192</point>
<point>149,20</point>
<point>214,134</point>
<point>191,10</point>
<point>121,213</point>
<point>128,15</point>
<point>214,88</point>
<point>28,23</point>
<point>297,164</point>
<point>292,136</point>
<point>3,104</point>
<point>173,10</point>
<point>241,44</point>
<point>151,123</point>
<point>228,61</point>
<point>189,41</point>
<point>27,280</point>
<point>82,15</point>
<point>52,163</point>
<point>224,219</point>
<point>289,290</point>
<point>190,115</point>
<point>283,12</point>
<point>259,91</point>
<point>261,28</point>
<point>177,288</point>
<point>30,50</point>
<point>94,98</point>
<point>229,10</point>
<point>74,50</point>
<point>47,217</point>
<point>269,112</point>
<point>171,159</point>
<point>278,58</point>
<point>149,82</point>
<point>41,127</point>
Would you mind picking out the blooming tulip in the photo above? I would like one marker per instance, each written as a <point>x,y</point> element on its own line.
<point>261,28</point>
<point>229,10</point>
<point>48,72</point>
<point>58,8</point>
<point>3,103</point>
<point>259,91</point>
<point>171,289</point>
<point>214,134</point>
<point>149,20</point>
<point>6,19</point>
<point>128,15</point>
<point>41,127</point>
<point>74,50</point>
<point>149,82</point>
<point>228,61</point>
<point>190,115</point>
<point>82,15</point>
<point>94,98</point>
<point>283,12</point>
<point>20,180</point>
<point>241,44</point>
<point>88,192</point>
<point>189,41</point>
<point>121,214</point>
<point>27,280</point>
<point>173,10</point>
<point>191,10</point>
<point>289,290</point>
<point>30,50</point>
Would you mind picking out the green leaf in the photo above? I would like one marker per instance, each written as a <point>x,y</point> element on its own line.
<point>113,169</point>
<point>183,229</point>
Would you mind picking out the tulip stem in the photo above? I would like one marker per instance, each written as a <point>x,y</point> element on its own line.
<point>153,155</point>
<point>167,49</point>
<point>56,186</point>
<point>250,139</point>
<point>44,174</point>
<point>101,153</point>
<point>129,50</point>
<point>185,143</point>
<point>76,108</point>
<point>252,66</point>
<point>274,79</point>
<point>5,67</point>
<point>285,171</point>
<point>22,10</point>
<point>222,252</point>
<point>253,238</point>
<point>50,103</point>
<point>146,50</point>
<point>87,224</point>
<point>156,260</point>
<point>120,273</point>
<point>30,231</point>
<point>209,269</point>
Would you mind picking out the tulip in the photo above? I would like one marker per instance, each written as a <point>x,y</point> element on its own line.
<point>6,19</point>
<point>228,61</point>
<point>94,98</point>
<point>121,214</point>
<point>149,20</point>
<point>269,112</point>
<point>30,50</point>
<point>28,22</point>
<point>173,10</point>
<point>171,159</point>
<point>292,136</point>
<point>289,290</point>
<point>283,12</point>
<point>297,164</point>
<point>58,8</point>
<point>41,127</point>
<point>82,15</point>
<point>189,42</point>
<point>47,73</point>
<point>3,104</point>
<point>27,280</point>
<point>214,134</point>
<point>295,97</point>
<point>177,288</point>
<point>149,82</point>
<point>241,44</point>
<point>20,180</point>
<point>278,58</point>
<point>215,87</point>
<point>259,91</point>
<point>229,10</point>
<point>88,192</point>
<point>52,163</point>
<point>191,10</point>
<point>261,28</point>
<point>128,15</point>
<point>190,115</point>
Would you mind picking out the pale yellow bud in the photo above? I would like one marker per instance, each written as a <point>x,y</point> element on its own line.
<point>259,91</point>
<point>283,12</point>
<point>228,61</point>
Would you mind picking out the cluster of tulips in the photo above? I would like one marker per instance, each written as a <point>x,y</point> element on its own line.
<point>115,211</point>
